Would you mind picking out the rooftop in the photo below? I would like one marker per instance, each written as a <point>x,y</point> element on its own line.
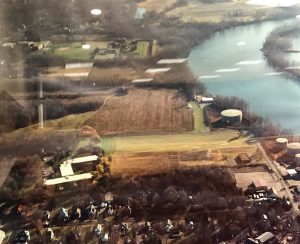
<point>66,179</point>
<point>231,112</point>
<point>66,169</point>
<point>81,159</point>
<point>172,61</point>
<point>158,70</point>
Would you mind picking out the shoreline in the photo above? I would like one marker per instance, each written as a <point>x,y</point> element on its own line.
<point>275,51</point>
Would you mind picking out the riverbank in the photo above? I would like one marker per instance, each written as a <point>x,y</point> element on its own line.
<point>278,45</point>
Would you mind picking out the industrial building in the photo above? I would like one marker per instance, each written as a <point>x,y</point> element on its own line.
<point>231,116</point>
<point>67,171</point>
<point>293,148</point>
<point>281,143</point>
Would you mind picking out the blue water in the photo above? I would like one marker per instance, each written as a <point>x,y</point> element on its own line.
<point>270,95</point>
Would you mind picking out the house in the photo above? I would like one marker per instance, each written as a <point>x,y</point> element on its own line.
<point>67,172</point>
<point>243,158</point>
<point>262,239</point>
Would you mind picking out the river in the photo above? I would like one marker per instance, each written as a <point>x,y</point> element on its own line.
<point>230,63</point>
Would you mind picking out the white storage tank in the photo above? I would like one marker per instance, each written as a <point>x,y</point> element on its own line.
<point>281,142</point>
<point>231,116</point>
<point>293,148</point>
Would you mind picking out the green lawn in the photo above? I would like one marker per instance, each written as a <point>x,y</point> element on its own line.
<point>74,50</point>
<point>73,121</point>
<point>107,144</point>
<point>142,49</point>
<point>198,116</point>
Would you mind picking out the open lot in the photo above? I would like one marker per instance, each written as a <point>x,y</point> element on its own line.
<point>244,179</point>
<point>143,111</point>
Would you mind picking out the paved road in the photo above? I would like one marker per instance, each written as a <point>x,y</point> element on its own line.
<point>272,165</point>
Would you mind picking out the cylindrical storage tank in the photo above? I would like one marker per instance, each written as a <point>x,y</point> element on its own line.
<point>281,143</point>
<point>297,159</point>
<point>293,148</point>
<point>231,116</point>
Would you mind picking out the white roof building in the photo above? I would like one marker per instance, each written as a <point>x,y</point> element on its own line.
<point>66,179</point>
<point>66,169</point>
<point>82,159</point>
<point>157,70</point>
<point>142,80</point>
<point>172,61</point>
<point>2,236</point>
<point>78,65</point>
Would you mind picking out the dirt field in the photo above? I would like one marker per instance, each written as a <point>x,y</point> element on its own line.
<point>143,111</point>
<point>156,5</point>
<point>154,163</point>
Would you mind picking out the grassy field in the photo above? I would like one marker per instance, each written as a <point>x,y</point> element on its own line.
<point>69,122</point>
<point>198,116</point>
<point>151,154</point>
<point>112,76</point>
<point>238,10</point>
<point>156,5</point>
<point>142,49</point>
<point>144,111</point>
<point>218,140</point>
<point>74,50</point>
<point>74,121</point>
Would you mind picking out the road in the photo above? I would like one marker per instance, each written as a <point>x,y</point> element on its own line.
<point>272,165</point>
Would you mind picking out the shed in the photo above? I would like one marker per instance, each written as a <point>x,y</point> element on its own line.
<point>243,158</point>
<point>292,172</point>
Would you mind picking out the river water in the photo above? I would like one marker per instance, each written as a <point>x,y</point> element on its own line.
<point>231,64</point>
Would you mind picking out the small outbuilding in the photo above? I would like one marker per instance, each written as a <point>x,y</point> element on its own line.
<point>243,158</point>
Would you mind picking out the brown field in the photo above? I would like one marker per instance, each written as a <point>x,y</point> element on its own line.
<point>129,164</point>
<point>150,154</point>
<point>156,5</point>
<point>112,76</point>
<point>143,111</point>
<point>61,72</point>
